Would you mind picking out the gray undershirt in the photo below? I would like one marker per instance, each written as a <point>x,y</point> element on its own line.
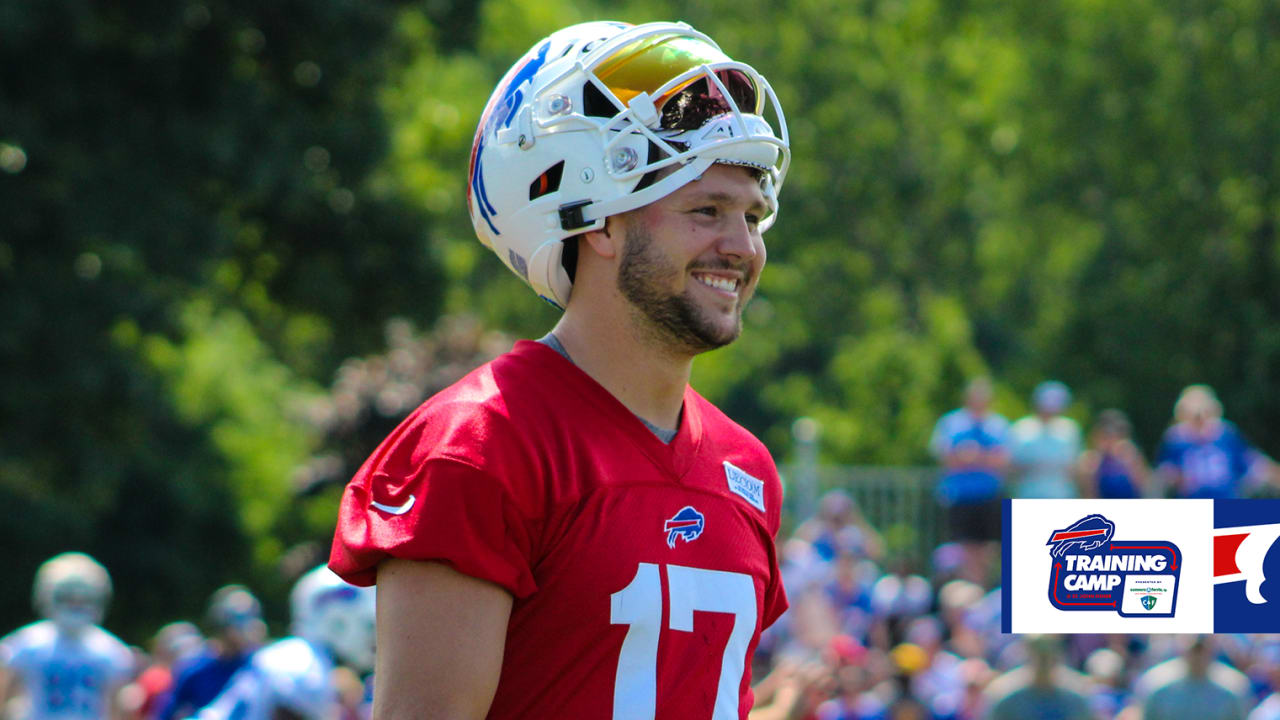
<point>553,342</point>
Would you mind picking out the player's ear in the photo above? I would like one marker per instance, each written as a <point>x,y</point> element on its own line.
<point>607,241</point>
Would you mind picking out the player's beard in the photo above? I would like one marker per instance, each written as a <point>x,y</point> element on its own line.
<point>675,319</point>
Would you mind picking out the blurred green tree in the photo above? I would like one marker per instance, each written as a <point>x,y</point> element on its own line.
<point>195,230</point>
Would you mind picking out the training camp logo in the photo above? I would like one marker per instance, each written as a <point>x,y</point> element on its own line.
<point>1090,571</point>
<point>686,524</point>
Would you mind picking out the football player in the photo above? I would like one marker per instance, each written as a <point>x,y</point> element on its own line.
<point>66,666</point>
<point>293,678</point>
<point>236,630</point>
<point>571,530</point>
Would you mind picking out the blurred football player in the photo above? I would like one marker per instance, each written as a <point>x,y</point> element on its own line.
<point>66,666</point>
<point>571,530</point>
<point>236,631</point>
<point>293,678</point>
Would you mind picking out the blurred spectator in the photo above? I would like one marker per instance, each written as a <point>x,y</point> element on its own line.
<point>937,682</point>
<point>792,691</point>
<point>909,661</point>
<point>1043,688</point>
<point>1269,669</point>
<point>1204,456</point>
<point>236,631</point>
<point>957,601</point>
<point>1108,683</point>
<point>1044,447</point>
<point>171,645</point>
<point>853,699</point>
<point>1192,692</point>
<point>972,446</point>
<point>897,597</point>
<point>849,593</point>
<point>1113,467</point>
<point>840,526</point>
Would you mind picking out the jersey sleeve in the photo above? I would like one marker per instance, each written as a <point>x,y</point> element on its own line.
<point>450,512</point>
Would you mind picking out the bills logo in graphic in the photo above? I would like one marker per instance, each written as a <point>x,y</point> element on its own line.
<point>686,525</point>
<point>1246,566</point>
<point>1091,571</point>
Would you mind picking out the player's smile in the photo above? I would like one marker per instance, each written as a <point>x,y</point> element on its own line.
<point>725,285</point>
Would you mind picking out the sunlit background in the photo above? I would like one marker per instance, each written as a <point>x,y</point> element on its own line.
<point>234,250</point>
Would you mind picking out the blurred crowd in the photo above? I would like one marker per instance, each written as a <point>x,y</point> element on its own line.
<point>870,634</point>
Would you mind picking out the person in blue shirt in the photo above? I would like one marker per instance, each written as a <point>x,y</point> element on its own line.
<point>971,444</point>
<point>1113,466</point>
<point>1204,456</point>
<point>236,631</point>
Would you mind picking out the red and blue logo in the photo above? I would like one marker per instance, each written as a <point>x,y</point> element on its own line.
<point>1091,571</point>
<point>686,525</point>
<point>1246,566</point>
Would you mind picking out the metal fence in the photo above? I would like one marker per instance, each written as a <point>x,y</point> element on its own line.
<point>899,502</point>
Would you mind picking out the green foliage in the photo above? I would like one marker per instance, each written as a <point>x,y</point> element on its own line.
<point>194,227</point>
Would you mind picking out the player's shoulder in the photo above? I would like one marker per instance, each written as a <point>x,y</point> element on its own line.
<point>288,656</point>
<point>39,634</point>
<point>511,383</point>
<point>103,642</point>
<point>492,401</point>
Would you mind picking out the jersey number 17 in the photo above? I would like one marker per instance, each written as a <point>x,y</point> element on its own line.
<point>639,606</point>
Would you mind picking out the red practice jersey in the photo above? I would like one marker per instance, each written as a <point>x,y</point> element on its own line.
<point>642,572</point>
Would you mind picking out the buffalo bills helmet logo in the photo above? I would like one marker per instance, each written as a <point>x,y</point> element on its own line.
<point>686,524</point>
<point>1084,535</point>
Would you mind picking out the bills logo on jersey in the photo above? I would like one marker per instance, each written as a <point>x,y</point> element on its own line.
<point>1246,565</point>
<point>686,524</point>
<point>1091,571</point>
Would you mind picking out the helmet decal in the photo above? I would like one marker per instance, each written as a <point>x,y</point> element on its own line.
<point>501,110</point>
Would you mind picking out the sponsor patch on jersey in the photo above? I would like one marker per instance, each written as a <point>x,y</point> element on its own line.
<point>686,525</point>
<point>744,486</point>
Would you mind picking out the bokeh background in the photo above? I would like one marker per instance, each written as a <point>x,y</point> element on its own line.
<point>234,247</point>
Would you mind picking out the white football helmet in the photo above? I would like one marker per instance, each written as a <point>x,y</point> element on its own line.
<point>335,615</point>
<point>579,128</point>
<point>72,590</point>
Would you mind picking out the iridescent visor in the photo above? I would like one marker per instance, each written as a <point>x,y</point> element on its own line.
<point>647,64</point>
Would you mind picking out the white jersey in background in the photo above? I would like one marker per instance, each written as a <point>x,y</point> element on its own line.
<point>66,677</point>
<point>288,678</point>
